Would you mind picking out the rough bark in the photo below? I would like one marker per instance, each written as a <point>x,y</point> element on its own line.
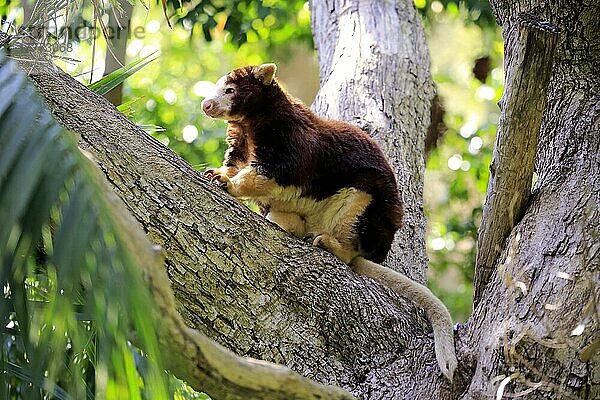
<point>530,46</point>
<point>200,361</point>
<point>537,322</point>
<point>374,69</point>
<point>244,282</point>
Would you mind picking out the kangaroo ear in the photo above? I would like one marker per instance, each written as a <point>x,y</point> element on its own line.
<point>265,73</point>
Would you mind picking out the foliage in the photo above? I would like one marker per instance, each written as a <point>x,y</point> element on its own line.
<point>181,391</point>
<point>477,11</point>
<point>209,37</point>
<point>72,289</point>
<point>272,21</point>
<point>115,78</point>
<point>457,170</point>
<point>6,6</point>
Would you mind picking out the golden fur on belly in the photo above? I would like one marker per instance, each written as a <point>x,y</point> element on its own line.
<point>299,215</point>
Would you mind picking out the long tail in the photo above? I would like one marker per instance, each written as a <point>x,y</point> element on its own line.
<point>436,310</point>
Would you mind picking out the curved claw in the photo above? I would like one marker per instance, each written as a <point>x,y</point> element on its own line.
<point>215,177</point>
<point>220,183</point>
<point>318,241</point>
<point>209,173</point>
<point>309,237</point>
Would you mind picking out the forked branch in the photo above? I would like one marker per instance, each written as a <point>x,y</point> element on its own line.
<point>188,353</point>
<point>528,60</point>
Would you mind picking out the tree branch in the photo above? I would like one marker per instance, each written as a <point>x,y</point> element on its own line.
<point>545,281</point>
<point>241,280</point>
<point>530,48</point>
<point>374,68</point>
<point>200,361</point>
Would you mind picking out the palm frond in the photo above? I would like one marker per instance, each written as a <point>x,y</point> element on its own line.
<point>37,38</point>
<point>115,78</point>
<point>126,107</point>
<point>61,236</point>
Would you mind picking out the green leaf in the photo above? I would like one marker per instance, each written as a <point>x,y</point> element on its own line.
<point>52,197</point>
<point>126,108</point>
<point>119,76</point>
<point>40,382</point>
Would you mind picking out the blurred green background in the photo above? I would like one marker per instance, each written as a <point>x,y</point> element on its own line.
<point>210,37</point>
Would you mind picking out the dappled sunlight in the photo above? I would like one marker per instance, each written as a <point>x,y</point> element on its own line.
<point>457,169</point>
<point>169,92</point>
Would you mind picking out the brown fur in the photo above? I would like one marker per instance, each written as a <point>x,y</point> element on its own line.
<point>311,163</point>
<point>317,178</point>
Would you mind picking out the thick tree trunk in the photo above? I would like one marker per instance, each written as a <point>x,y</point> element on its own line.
<point>247,284</point>
<point>260,292</point>
<point>374,68</point>
<point>529,56</point>
<point>536,326</point>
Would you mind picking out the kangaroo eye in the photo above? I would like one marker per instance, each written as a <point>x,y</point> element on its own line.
<point>229,90</point>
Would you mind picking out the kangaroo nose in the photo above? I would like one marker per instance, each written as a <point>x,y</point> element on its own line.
<point>207,105</point>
